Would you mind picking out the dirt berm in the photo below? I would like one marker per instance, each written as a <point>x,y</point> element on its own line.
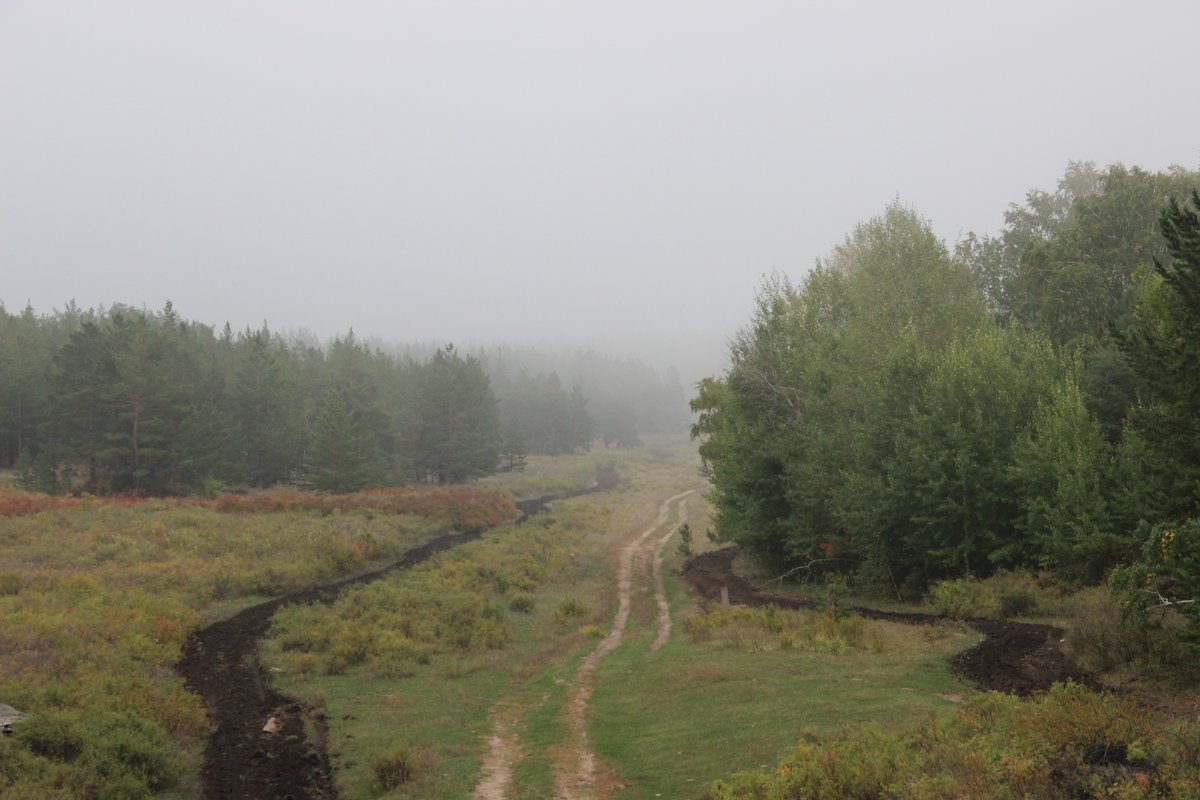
<point>1020,658</point>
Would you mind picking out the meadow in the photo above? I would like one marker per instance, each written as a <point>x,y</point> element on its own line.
<point>731,690</point>
<point>418,672</point>
<point>97,597</point>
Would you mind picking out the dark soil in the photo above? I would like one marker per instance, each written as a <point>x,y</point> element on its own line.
<point>1020,658</point>
<point>606,478</point>
<point>241,760</point>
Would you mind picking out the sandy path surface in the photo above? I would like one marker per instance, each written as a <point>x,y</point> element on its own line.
<point>578,776</point>
<point>503,753</point>
<point>578,773</point>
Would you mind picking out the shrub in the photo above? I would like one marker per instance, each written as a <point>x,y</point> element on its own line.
<point>571,608</point>
<point>125,787</point>
<point>1017,603</point>
<point>139,746</point>
<point>489,634</point>
<point>1003,595</point>
<point>394,768</point>
<point>1071,742</point>
<point>522,603</point>
<point>10,583</point>
<point>1103,639</point>
<point>1162,588</point>
<point>51,734</point>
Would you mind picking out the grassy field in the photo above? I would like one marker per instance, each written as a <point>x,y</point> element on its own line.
<point>97,597</point>
<point>666,723</point>
<point>417,672</point>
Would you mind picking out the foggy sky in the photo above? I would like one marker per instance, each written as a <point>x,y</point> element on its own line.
<point>615,173</point>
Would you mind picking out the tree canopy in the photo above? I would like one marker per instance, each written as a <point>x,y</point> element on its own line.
<point>904,414</point>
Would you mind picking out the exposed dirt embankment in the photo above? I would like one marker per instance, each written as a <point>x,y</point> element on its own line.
<point>606,478</point>
<point>259,748</point>
<point>1016,657</point>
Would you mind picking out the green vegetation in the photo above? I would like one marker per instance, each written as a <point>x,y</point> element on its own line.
<point>1069,743</point>
<point>997,430</point>
<point>716,686</point>
<point>98,596</point>
<point>905,415</point>
<point>127,400</point>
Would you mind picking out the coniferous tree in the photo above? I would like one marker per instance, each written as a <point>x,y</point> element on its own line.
<point>340,457</point>
<point>1163,347</point>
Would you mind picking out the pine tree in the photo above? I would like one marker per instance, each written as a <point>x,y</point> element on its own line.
<point>1164,348</point>
<point>340,458</point>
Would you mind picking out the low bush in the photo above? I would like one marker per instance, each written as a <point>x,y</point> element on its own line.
<point>522,602</point>
<point>571,608</point>
<point>1004,595</point>
<point>1071,742</point>
<point>1103,639</point>
<point>765,628</point>
<point>455,602</point>
<point>394,767</point>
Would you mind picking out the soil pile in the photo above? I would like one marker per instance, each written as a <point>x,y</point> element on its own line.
<point>259,748</point>
<point>1015,657</point>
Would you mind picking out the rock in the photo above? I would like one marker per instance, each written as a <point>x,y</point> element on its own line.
<point>9,715</point>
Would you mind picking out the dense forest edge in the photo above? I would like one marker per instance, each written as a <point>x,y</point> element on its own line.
<point>1006,429</point>
<point>122,400</point>
<point>905,414</point>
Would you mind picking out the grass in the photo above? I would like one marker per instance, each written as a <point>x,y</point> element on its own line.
<point>98,597</point>
<point>441,711</point>
<point>739,700</point>
<point>668,722</point>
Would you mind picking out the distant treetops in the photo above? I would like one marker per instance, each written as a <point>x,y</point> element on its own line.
<point>126,400</point>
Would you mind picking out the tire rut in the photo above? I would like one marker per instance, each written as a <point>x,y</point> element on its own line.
<point>578,771</point>
<point>259,748</point>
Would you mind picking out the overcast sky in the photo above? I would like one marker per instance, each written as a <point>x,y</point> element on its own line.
<point>565,172</point>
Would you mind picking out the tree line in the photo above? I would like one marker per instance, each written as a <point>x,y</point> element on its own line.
<point>128,400</point>
<point>1030,400</point>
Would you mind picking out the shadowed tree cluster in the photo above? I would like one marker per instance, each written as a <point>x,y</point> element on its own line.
<point>126,400</point>
<point>1029,400</point>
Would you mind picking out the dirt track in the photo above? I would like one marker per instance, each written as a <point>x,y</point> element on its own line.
<point>578,775</point>
<point>242,761</point>
<point>1015,657</point>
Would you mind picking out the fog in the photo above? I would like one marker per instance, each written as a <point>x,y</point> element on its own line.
<point>616,174</point>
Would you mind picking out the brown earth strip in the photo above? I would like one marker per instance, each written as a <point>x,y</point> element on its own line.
<point>259,749</point>
<point>242,761</point>
<point>578,773</point>
<point>1020,658</point>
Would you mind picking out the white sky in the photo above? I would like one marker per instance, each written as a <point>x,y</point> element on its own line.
<point>614,173</point>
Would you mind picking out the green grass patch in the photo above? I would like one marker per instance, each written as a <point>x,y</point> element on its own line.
<point>738,699</point>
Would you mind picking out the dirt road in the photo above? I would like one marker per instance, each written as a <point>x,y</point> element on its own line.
<point>578,773</point>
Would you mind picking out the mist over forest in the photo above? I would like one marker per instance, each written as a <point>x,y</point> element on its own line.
<point>130,400</point>
<point>532,399</point>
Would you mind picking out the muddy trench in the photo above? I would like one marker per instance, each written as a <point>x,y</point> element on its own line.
<point>265,745</point>
<point>1020,658</point>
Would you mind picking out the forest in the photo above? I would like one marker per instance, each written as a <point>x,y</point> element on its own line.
<point>905,413</point>
<point>125,400</point>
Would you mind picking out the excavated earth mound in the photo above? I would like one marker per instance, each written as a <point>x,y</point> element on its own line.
<point>259,748</point>
<point>1016,657</point>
